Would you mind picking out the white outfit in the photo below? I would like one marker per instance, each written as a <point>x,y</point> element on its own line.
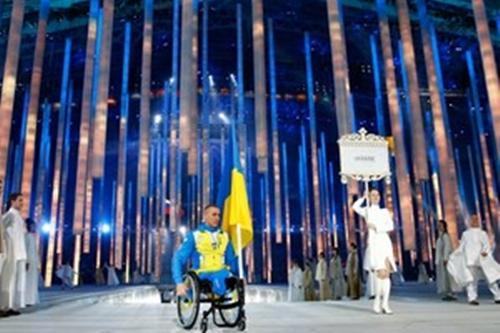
<point>65,273</point>
<point>379,252</point>
<point>13,276</point>
<point>379,247</point>
<point>444,248</point>
<point>322,277</point>
<point>467,266</point>
<point>32,273</point>
<point>112,277</point>
<point>3,247</point>
<point>296,285</point>
<point>338,286</point>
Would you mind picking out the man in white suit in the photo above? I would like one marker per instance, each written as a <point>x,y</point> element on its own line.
<point>13,276</point>
<point>473,260</point>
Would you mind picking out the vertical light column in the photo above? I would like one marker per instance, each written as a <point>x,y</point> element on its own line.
<point>326,193</point>
<point>305,179</point>
<point>189,50</point>
<point>490,69</point>
<point>56,184</point>
<point>343,106</point>
<point>81,214</point>
<point>142,173</point>
<point>275,134</point>
<point>259,66</point>
<point>101,113</point>
<point>389,200</point>
<point>242,127</point>
<point>269,248</point>
<point>402,176</point>
<point>9,84</point>
<point>444,147</point>
<point>303,229</point>
<point>483,159</point>
<point>418,137</point>
<point>288,237</point>
<point>340,68</point>
<point>333,208</point>
<point>122,152</point>
<point>61,214</point>
<point>205,136</point>
<point>34,101</point>
<point>318,219</point>
<point>174,123</point>
<point>44,161</point>
<point>419,152</point>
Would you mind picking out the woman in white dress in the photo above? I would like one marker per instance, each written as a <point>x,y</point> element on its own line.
<point>444,249</point>
<point>296,283</point>
<point>379,222</point>
<point>32,272</point>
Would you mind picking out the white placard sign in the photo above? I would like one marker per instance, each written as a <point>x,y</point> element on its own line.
<point>364,157</point>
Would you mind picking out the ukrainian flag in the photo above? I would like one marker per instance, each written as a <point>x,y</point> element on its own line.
<point>232,197</point>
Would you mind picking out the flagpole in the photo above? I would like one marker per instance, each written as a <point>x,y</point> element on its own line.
<point>240,251</point>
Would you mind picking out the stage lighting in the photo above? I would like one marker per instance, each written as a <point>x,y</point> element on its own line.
<point>105,228</point>
<point>46,228</point>
<point>224,118</point>
<point>157,119</point>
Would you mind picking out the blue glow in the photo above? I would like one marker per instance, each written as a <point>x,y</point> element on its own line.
<point>105,228</point>
<point>46,228</point>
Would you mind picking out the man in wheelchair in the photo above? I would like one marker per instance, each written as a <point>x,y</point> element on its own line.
<point>213,262</point>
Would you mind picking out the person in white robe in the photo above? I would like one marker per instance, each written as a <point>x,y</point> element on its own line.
<point>336,276</point>
<point>309,292</point>
<point>444,248</point>
<point>32,274</point>
<point>423,276</point>
<point>66,273</point>
<point>472,261</point>
<point>13,276</point>
<point>112,277</point>
<point>381,255</point>
<point>352,272</point>
<point>296,283</point>
<point>322,277</point>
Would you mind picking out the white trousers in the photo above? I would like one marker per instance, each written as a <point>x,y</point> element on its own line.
<point>472,287</point>
<point>13,288</point>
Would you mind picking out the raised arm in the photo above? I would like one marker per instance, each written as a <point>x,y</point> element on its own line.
<point>357,207</point>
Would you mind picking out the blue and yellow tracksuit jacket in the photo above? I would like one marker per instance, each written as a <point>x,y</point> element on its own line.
<point>212,257</point>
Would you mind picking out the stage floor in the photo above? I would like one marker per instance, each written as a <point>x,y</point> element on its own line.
<point>416,310</point>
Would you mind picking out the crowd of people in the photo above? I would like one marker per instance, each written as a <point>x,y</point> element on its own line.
<point>20,277</point>
<point>455,269</point>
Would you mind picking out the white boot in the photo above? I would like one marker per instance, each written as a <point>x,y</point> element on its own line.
<point>386,292</point>
<point>378,295</point>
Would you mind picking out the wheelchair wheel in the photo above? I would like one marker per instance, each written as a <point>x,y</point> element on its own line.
<point>231,310</point>
<point>188,306</point>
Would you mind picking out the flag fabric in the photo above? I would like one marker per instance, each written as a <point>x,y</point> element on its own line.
<point>232,197</point>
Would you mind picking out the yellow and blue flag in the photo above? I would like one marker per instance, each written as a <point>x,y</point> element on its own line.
<point>232,197</point>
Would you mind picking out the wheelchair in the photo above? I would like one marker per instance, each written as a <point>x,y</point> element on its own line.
<point>229,308</point>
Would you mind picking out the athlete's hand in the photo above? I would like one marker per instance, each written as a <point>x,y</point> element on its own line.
<point>181,289</point>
